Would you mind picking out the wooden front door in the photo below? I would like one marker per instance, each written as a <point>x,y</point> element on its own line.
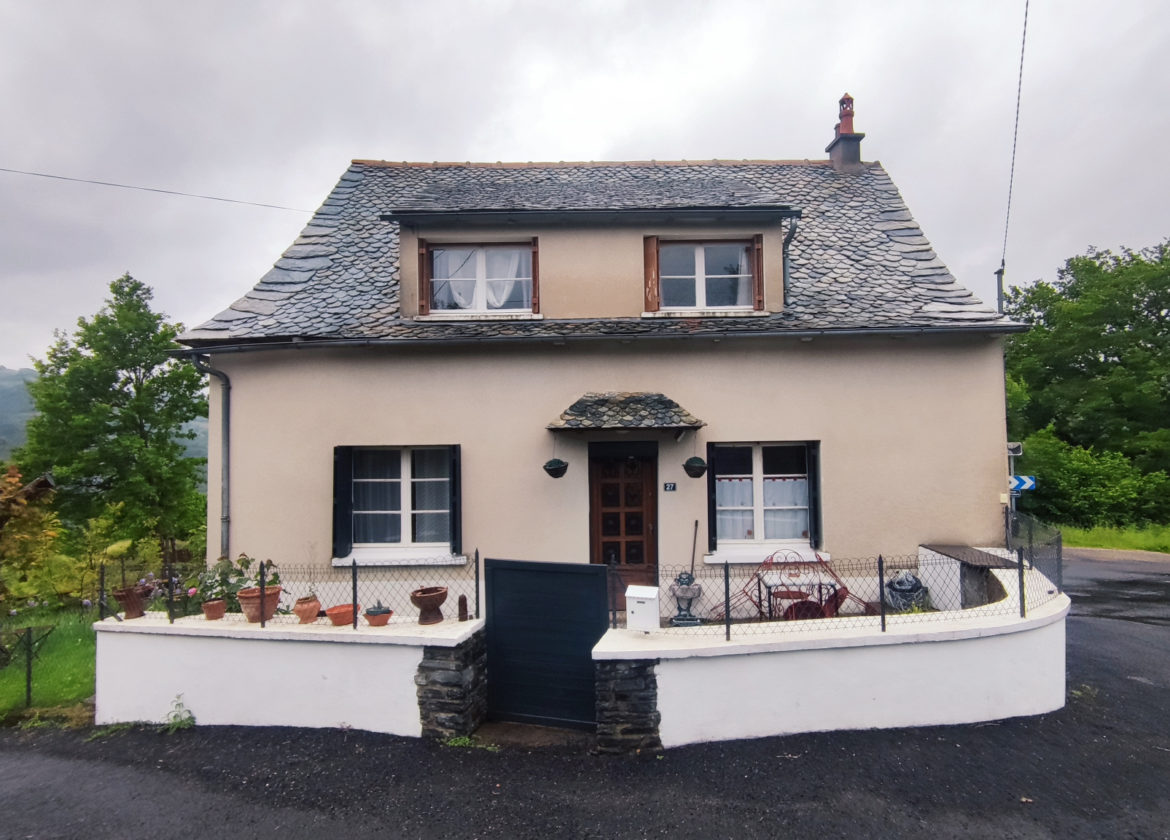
<point>623,516</point>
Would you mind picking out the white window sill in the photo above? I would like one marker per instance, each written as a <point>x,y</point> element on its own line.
<point>394,556</point>
<point>706,313</point>
<point>757,553</point>
<point>480,316</point>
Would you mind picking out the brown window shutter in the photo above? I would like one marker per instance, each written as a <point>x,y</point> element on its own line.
<point>650,247</point>
<point>424,278</point>
<point>758,270</point>
<point>535,277</point>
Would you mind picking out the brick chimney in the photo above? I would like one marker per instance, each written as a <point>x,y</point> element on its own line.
<point>845,150</point>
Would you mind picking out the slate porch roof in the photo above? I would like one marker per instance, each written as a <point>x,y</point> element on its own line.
<point>859,261</point>
<point>625,410</point>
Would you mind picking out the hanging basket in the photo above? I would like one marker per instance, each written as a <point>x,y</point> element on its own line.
<point>556,467</point>
<point>695,466</point>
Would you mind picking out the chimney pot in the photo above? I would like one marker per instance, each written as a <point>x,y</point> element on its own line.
<point>845,150</point>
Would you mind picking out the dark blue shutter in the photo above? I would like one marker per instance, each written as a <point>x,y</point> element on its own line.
<point>456,506</point>
<point>342,501</point>
<point>712,536</point>
<point>815,533</point>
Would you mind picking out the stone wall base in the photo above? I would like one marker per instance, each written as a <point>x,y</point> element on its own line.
<point>452,688</point>
<point>627,706</point>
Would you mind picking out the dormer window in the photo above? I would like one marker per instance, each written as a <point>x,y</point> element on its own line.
<point>472,278</point>
<point>704,276</point>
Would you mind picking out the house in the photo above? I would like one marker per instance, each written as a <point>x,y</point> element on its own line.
<point>439,331</point>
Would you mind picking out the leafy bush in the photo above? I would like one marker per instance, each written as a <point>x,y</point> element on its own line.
<point>1087,488</point>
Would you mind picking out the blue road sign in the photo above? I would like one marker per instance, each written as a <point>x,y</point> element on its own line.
<point>1022,482</point>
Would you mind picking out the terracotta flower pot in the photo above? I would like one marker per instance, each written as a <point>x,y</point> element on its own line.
<point>378,619</point>
<point>250,602</point>
<point>132,600</point>
<point>306,609</point>
<point>428,600</point>
<point>214,610</point>
<point>340,615</point>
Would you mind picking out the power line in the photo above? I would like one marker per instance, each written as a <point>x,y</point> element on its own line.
<point>153,190</point>
<point>1015,135</point>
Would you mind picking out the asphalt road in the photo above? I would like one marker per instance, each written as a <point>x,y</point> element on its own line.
<point>1100,767</point>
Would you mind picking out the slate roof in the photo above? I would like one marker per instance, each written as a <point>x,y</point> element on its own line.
<point>625,410</point>
<point>859,261</point>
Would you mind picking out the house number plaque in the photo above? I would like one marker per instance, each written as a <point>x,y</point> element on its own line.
<point>669,487</point>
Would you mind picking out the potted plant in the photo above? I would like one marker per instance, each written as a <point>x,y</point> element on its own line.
<point>220,582</point>
<point>378,615</point>
<point>251,597</point>
<point>428,600</point>
<point>307,607</point>
<point>210,589</point>
<point>341,615</point>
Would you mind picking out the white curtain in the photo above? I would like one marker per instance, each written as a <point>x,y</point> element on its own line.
<point>503,272</point>
<point>743,295</point>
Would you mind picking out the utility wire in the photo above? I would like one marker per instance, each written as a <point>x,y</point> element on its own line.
<point>154,190</point>
<point>1015,135</point>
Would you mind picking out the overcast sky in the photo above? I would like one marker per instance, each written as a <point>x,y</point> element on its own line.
<point>269,101</point>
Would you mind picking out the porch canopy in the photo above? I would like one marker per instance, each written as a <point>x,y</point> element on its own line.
<point>625,410</point>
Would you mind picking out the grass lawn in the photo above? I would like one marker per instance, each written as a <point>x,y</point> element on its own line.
<point>1152,538</point>
<point>63,668</point>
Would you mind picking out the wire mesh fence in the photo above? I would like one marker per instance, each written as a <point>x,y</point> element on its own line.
<point>301,594</point>
<point>789,593</point>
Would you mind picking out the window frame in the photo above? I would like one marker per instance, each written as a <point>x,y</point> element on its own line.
<point>426,276</point>
<point>346,549</point>
<point>653,279</point>
<point>812,476</point>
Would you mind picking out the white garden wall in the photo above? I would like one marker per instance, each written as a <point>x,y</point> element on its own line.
<point>230,673</point>
<point>972,667</point>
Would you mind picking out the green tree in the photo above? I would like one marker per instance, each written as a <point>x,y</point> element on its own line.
<point>1096,363</point>
<point>112,404</point>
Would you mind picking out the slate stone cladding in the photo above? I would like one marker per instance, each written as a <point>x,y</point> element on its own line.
<point>859,261</point>
<point>627,706</point>
<point>452,688</point>
<point>626,410</point>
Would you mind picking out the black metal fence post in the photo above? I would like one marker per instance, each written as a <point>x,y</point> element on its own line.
<point>169,571</point>
<point>882,590</point>
<point>1059,562</point>
<point>1020,575</point>
<point>353,575</point>
<point>28,657</point>
<point>726,601</point>
<point>262,585</point>
<point>102,592</point>
<point>477,583</point>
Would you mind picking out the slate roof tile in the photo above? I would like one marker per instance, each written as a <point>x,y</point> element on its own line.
<point>625,410</point>
<point>859,261</point>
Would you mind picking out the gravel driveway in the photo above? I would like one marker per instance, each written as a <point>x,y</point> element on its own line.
<point>1100,767</point>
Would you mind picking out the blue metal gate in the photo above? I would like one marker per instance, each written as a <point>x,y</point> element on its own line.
<point>543,620</point>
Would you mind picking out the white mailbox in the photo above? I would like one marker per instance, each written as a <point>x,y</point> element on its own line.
<point>642,608</point>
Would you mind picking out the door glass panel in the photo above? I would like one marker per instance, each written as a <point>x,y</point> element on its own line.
<point>611,552</point>
<point>611,495</point>
<point>611,525</point>
<point>633,495</point>
<point>633,524</point>
<point>635,553</point>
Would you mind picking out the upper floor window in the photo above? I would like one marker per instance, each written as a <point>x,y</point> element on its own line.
<point>478,279</point>
<point>707,275</point>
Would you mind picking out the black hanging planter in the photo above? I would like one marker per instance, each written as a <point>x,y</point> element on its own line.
<point>695,466</point>
<point>556,467</point>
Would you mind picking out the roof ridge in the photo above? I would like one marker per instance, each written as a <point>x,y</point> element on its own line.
<point>576,163</point>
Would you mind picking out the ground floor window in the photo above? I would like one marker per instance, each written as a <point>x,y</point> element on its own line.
<point>761,492</point>
<point>388,496</point>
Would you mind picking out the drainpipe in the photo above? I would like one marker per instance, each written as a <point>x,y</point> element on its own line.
<point>203,365</point>
<point>793,222</point>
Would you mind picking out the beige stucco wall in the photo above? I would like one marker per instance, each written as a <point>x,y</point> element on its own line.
<point>912,435</point>
<point>593,272</point>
